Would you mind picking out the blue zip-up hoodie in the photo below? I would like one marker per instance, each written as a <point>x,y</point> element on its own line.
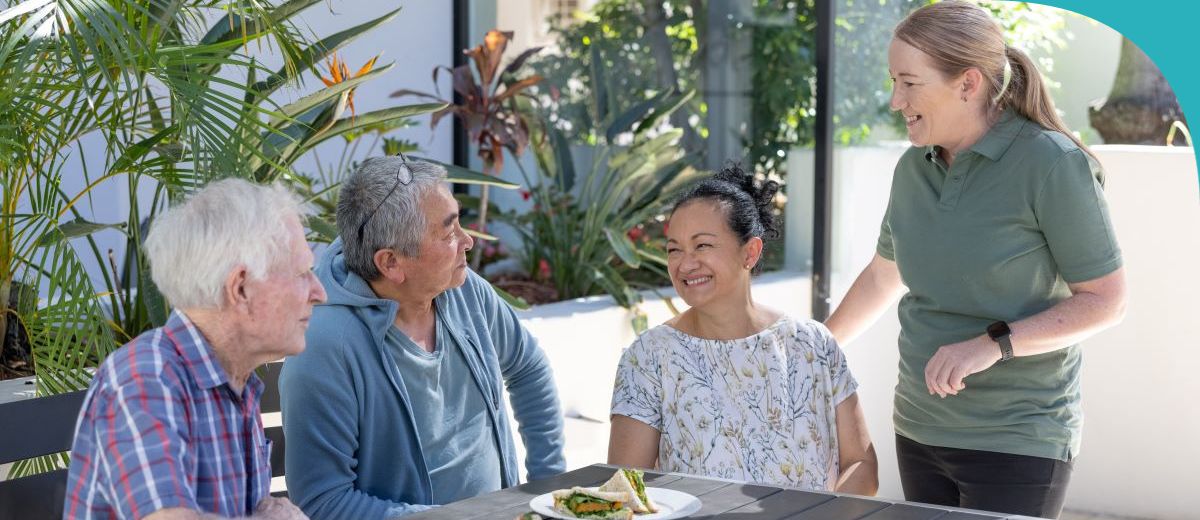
<point>352,449</point>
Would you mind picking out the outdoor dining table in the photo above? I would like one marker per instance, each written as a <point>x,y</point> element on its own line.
<point>720,499</point>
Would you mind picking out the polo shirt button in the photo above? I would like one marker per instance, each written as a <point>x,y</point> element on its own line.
<point>956,178</point>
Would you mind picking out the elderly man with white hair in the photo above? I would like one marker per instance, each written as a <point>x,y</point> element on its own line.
<point>170,428</point>
<point>397,403</point>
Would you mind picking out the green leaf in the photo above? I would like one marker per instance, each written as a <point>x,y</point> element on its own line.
<point>229,27</point>
<point>652,120</point>
<point>480,235</point>
<point>653,255</point>
<point>599,85</point>
<point>319,51</point>
<point>623,247</point>
<point>610,286</point>
<point>326,95</point>
<point>644,150</point>
<point>141,148</point>
<point>234,31</point>
<point>73,229</point>
<point>640,321</point>
<point>466,201</point>
<point>563,162</point>
<point>369,119</point>
<point>156,304</point>
<point>279,146</point>
<point>459,175</point>
<point>609,279</point>
<point>681,169</point>
<point>324,229</point>
<point>514,301</point>
<point>623,122</point>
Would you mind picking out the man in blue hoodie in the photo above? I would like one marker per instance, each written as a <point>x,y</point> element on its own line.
<point>396,403</point>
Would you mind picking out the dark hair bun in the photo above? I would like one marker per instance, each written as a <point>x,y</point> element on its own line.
<point>749,203</point>
<point>761,193</point>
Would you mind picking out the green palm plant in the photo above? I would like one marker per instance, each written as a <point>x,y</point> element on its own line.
<point>173,104</point>
<point>488,109</point>
<point>70,71</point>
<point>578,235</point>
<point>158,88</point>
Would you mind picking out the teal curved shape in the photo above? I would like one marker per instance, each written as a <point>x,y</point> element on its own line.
<point>1165,30</point>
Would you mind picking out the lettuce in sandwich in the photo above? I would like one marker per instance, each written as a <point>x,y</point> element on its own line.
<point>579,502</point>
<point>630,481</point>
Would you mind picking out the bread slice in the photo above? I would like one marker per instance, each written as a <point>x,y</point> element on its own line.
<point>630,481</point>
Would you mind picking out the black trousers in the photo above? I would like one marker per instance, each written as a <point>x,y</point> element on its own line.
<point>985,480</point>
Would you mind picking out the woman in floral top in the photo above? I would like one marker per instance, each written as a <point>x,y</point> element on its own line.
<point>730,388</point>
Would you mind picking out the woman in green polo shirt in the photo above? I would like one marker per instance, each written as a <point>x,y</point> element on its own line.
<point>998,244</point>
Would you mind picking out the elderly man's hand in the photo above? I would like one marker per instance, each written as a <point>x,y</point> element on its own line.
<point>952,363</point>
<point>272,508</point>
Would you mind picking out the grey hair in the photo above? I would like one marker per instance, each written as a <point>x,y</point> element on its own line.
<point>194,245</point>
<point>398,224</point>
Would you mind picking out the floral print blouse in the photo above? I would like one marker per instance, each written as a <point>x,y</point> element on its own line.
<point>758,409</point>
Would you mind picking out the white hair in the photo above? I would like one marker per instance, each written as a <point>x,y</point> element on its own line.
<point>193,246</point>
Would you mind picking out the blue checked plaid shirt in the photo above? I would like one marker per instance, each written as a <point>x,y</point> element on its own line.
<point>161,428</point>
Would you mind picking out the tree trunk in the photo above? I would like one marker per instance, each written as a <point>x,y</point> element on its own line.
<point>1140,106</point>
<point>727,88</point>
<point>654,19</point>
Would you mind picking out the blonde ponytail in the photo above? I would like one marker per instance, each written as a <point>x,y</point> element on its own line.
<point>957,36</point>
<point>1029,96</point>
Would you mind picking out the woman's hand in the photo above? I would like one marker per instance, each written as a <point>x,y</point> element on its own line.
<point>952,363</point>
<point>1094,305</point>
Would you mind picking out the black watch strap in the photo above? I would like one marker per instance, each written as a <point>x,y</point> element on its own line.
<point>1000,333</point>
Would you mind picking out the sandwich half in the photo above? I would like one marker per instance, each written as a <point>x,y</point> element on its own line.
<point>630,481</point>
<point>579,502</point>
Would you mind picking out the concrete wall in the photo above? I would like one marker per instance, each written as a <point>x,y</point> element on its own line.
<point>1139,445</point>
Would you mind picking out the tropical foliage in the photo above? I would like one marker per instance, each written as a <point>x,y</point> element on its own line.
<point>583,235</point>
<point>487,106</point>
<point>172,101</point>
<point>782,66</point>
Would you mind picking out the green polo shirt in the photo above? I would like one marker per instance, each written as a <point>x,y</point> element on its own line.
<point>997,236</point>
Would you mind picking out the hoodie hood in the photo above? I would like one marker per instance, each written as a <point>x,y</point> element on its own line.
<point>346,289</point>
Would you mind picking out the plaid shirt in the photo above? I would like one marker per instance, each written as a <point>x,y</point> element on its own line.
<point>161,428</point>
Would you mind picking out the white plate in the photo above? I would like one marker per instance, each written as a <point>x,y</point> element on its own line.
<point>671,504</point>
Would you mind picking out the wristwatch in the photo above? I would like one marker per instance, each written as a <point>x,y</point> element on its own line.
<point>999,332</point>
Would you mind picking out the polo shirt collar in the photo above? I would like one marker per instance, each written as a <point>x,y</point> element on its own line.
<point>996,141</point>
<point>196,350</point>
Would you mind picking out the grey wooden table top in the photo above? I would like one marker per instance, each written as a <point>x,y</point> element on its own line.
<point>720,499</point>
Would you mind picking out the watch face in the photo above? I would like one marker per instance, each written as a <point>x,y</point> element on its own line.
<point>998,330</point>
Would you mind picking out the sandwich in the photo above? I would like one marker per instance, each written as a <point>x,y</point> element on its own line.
<point>579,502</point>
<point>630,481</point>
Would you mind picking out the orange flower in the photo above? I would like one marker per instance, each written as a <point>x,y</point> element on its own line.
<point>338,73</point>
